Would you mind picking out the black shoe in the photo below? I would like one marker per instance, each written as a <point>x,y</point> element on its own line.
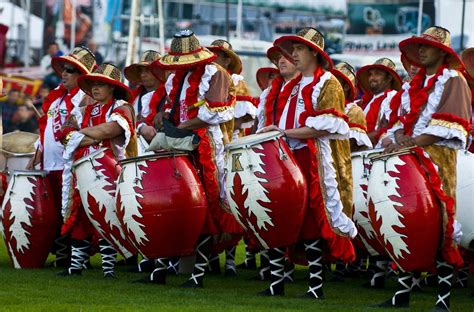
<point>230,273</point>
<point>109,275</point>
<point>70,272</point>
<point>191,284</point>
<point>129,261</point>
<point>309,295</point>
<point>147,280</point>
<point>388,304</point>
<point>267,293</point>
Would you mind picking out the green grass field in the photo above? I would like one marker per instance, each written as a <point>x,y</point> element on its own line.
<point>42,290</point>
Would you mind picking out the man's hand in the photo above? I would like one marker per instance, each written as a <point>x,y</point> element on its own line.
<point>34,160</point>
<point>269,128</point>
<point>386,142</point>
<point>392,148</point>
<point>158,120</point>
<point>147,132</point>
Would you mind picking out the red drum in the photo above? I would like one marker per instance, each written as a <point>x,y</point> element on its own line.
<point>404,212</point>
<point>161,204</point>
<point>28,219</point>
<point>366,239</point>
<point>266,189</point>
<point>96,175</point>
<point>464,199</point>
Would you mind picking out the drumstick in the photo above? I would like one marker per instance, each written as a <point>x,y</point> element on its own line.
<point>197,104</point>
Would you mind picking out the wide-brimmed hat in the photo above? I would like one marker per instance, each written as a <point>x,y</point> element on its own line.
<point>274,53</point>
<point>132,72</point>
<point>309,36</point>
<point>263,76</point>
<point>435,36</point>
<point>81,58</point>
<point>109,74</point>
<point>346,72</point>
<point>185,52</point>
<point>383,63</point>
<point>235,66</point>
<point>467,57</point>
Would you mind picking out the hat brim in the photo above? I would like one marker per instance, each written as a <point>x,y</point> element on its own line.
<point>121,91</point>
<point>132,72</point>
<point>273,54</point>
<point>285,43</point>
<point>263,76</point>
<point>467,57</point>
<point>339,74</point>
<point>185,61</point>
<point>235,66</point>
<point>362,77</point>
<point>410,48</point>
<point>57,62</point>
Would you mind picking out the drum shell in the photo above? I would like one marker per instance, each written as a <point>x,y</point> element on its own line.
<point>274,183</point>
<point>169,201</point>
<point>366,239</point>
<point>29,216</point>
<point>464,197</point>
<point>96,177</point>
<point>404,212</point>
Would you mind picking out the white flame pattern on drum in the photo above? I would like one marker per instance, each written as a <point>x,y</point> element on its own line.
<point>385,208</point>
<point>132,177</point>
<point>96,186</point>
<point>252,163</point>
<point>20,215</point>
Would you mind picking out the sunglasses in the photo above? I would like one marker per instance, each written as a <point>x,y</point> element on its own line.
<point>70,70</point>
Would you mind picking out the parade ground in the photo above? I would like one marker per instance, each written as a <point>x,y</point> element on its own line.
<point>42,290</point>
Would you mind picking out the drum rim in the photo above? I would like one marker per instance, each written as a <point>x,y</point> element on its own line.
<point>29,172</point>
<point>159,155</point>
<point>85,158</point>
<point>271,135</point>
<point>10,154</point>
<point>367,153</point>
<point>404,151</point>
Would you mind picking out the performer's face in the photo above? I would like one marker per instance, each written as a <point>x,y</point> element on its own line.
<point>287,68</point>
<point>148,80</point>
<point>379,80</point>
<point>430,56</point>
<point>223,59</point>
<point>69,76</point>
<point>102,92</point>
<point>303,56</point>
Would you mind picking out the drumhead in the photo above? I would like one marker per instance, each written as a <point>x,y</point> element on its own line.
<point>367,153</point>
<point>19,143</point>
<point>18,173</point>
<point>157,155</point>
<point>253,139</point>
<point>403,151</point>
<point>90,156</point>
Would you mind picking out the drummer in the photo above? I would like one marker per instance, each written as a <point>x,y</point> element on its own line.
<point>148,94</point>
<point>199,100</point>
<point>316,128</point>
<point>110,123</point>
<point>434,114</point>
<point>61,103</point>
<point>379,83</point>
<point>358,126</point>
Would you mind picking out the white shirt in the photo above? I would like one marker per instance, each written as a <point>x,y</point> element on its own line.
<point>53,150</point>
<point>295,143</point>
<point>146,98</point>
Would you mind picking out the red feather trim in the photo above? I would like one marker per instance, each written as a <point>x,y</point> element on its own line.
<point>154,101</point>
<point>356,125</point>
<point>271,100</point>
<point>453,118</point>
<point>306,114</point>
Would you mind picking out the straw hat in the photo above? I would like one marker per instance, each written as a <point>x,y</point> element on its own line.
<point>435,36</point>
<point>263,76</point>
<point>235,66</point>
<point>109,74</point>
<point>346,72</point>
<point>274,54</point>
<point>309,36</point>
<point>132,72</point>
<point>185,52</point>
<point>385,64</point>
<point>81,58</point>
